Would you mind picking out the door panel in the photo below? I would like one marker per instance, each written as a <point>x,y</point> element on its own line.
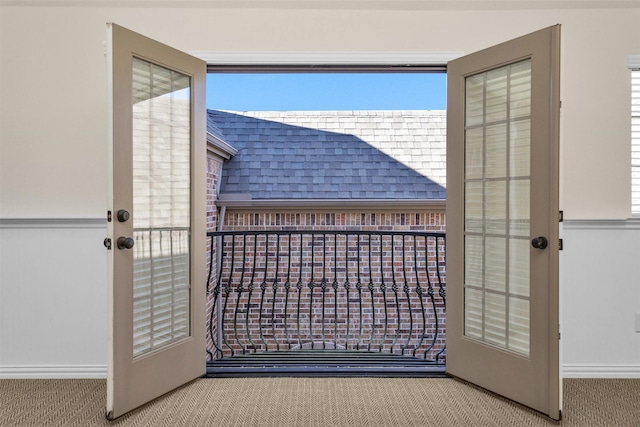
<point>502,192</point>
<point>156,197</point>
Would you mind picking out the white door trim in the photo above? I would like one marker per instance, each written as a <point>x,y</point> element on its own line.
<point>326,58</point>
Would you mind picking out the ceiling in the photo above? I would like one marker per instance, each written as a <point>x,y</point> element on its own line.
<point>341,4</point>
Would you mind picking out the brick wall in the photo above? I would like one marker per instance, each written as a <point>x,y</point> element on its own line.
<point>399,221</point>
<point>214,165</point>
<point>213,171</point>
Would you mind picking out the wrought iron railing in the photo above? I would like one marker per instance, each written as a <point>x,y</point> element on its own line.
<point>369,291</point>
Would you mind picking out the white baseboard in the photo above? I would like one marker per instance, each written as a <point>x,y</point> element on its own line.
<point>100,371</point>
<point>601,371</point>
<point>53,371</point>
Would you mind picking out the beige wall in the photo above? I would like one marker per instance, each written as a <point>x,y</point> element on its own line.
<point>53,126</point>
<point>54,101</point>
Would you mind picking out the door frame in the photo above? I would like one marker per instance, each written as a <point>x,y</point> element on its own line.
<point>317,63</point>
<point>388,62</point>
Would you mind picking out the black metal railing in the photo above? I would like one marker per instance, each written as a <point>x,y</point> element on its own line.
<point>369,291</point>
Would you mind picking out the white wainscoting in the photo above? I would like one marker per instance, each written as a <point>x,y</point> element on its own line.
<point>53,298</point>
<point>600,294</point>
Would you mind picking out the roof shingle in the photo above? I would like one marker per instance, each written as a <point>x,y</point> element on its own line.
<point>333,154</point>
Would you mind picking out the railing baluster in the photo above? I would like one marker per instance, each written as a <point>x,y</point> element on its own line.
<point>299,287</point>
<point>359,288</point>
<point>311,286</point>
<point>263,287</point>
<point>383,289</point>
<point>323,283</point>
<point>239,291</point>
<point>441,290</point>
<point>419,290</point>
<point>430,292</point>
<point>227,289</point>
<point>274,286</point>
<point>287,286</point>
<point>406,289</point>
<point>335,291</point>
<point>216,292</point>
<point>373,304</point>
<point>346,288</point>
<point>394,288</point>
<point>250,287</point>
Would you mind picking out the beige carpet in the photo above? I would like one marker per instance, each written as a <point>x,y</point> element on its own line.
<point>323,402</point>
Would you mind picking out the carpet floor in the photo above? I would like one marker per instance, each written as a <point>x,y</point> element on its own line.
<point>348,402</point>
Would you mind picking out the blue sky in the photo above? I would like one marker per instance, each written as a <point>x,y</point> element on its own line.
<point>326,91</point>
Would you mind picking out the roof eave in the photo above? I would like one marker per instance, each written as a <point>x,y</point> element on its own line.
<point>220,147</point>
<point>326,204</point>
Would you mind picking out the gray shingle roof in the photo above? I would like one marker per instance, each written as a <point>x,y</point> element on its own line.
<point>213,128</point>
<point>333,154</point>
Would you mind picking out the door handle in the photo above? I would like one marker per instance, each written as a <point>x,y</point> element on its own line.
<point>125,242</point>
<point>123,215</point>
<point>539,242</point>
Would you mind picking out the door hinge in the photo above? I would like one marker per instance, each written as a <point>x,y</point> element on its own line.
<point>561,216</point>
<point>107,243</point>
<point>109,216</point>
<point>560,244</point>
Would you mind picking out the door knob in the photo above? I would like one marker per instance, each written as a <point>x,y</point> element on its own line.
<point>123,215</point>
<point>125,242</point>
<point>539,242</point>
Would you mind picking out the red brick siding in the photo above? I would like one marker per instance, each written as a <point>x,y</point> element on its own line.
<point>213,173</point>
<point>398,221</point>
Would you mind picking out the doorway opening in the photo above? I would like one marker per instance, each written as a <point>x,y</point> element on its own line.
<point>503,177</point>
<point>326,227</point>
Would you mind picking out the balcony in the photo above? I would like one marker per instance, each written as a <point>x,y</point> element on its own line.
<point>326,302</point>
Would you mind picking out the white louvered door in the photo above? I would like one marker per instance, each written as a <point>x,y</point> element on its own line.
<point>157,229</point>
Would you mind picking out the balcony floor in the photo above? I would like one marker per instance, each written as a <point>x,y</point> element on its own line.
<point>324,363</point>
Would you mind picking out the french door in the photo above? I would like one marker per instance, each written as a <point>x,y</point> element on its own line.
<point>502,219</point>
<point>502,213</point>
<point>156,220</point>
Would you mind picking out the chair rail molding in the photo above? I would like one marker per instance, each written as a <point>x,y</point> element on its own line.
<point>29,223</point>
<point>602,224</point>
